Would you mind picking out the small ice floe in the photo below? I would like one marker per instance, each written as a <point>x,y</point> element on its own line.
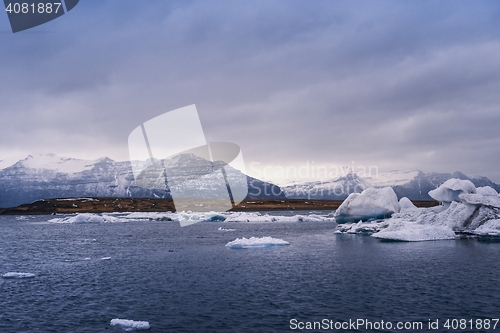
<point>258,217</point>
<point>18,275</point>
<point>105,258</point>
<point>225,229</point>
<point>182,217</point>
<point>360,227</point>
<point>189,217</point>
<point>244,243</point>
<point>86,218</point>
<point>150,216</point>
<point>130,325</point>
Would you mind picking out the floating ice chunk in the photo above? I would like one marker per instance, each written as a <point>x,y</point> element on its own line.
<point>372,203</point>
<point>244,243</point>
<point>413,232</point>
<point>152,216</point>
<point>86,218</point>
<point>360,227</point>
<point>257,217</point>
<point>225,229</point>
<point>489,228</point>
<point>188,217</point>
<point>251,217</point>
<point>183,217</point>
<point>451,189</point>
<point>18,275</point>
<point>479,199</point>
<point>130,325</point>
<point>406,204</point>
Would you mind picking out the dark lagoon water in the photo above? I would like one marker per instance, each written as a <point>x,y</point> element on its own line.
<point>186,280</point>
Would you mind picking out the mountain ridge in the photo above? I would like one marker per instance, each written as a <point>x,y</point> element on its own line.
<point>415,186</point>
<point>46,176</point>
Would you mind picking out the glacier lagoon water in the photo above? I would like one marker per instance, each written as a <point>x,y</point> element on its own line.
<point>186,280</point>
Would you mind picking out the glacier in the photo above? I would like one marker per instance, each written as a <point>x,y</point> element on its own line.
<point>252,242</point>
<point>464,209</point>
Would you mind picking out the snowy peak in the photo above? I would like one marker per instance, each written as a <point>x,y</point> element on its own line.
<point>413,184</point>
<point>52,162</point>
<point>393,178</point>
<point>45,176</point>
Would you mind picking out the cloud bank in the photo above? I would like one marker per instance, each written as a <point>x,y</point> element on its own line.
<point>392,84</point>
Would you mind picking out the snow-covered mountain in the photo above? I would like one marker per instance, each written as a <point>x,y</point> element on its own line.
<point>413,184</point>
<point>49,176</point>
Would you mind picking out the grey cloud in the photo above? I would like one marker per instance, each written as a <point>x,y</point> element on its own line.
<point>399,85</point>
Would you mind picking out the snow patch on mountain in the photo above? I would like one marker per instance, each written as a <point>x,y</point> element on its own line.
<point>392,178</point>
<point>56,163</point>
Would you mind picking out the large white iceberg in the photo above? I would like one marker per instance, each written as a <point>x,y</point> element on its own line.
<point>130,325</point>
<point>244,243</point>
<point>464,209</point>
<point>372,203</point>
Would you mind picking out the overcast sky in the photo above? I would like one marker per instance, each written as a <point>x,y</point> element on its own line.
<point>397,85</point>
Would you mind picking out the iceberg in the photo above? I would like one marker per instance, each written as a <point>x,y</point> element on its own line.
<point>258,217</point>
<point>188,217</point>
<point>130,325</point>
<point>18,275</point>
<point>450,190</point>
<point>486,190</point>
<point>86,218</point>
<point>360,227</point>
<point>406,204</point>
<point>225,229</point>
<point>183,217</point>
<point>372,203</point>
<point>151,216</point>
<point>244,243</point>
<point>464,209</point>
<point>414,232</point>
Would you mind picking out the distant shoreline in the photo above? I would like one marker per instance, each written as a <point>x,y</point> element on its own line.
<point>117,205</point>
